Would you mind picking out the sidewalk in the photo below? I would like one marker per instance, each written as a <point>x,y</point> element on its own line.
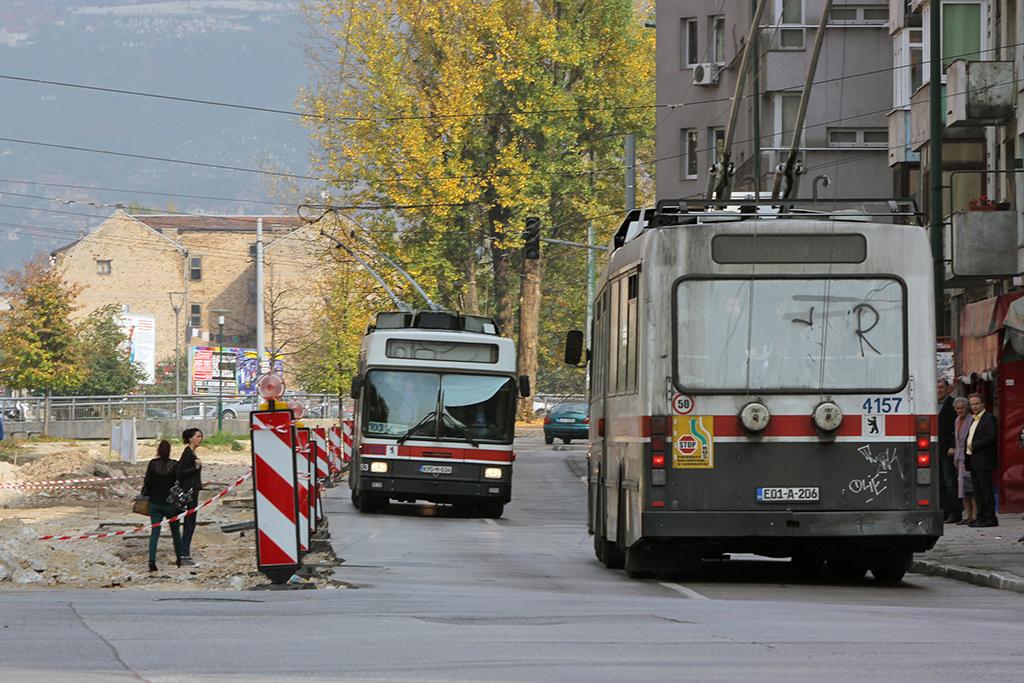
<point>987,557</point>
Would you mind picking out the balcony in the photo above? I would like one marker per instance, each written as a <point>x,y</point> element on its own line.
<point>983,247</point>
<point>979,93</point>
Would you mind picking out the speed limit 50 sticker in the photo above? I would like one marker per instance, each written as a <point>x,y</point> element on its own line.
<point>683,404</point>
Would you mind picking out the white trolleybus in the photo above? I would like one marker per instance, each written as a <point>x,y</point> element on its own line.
<point>435,405</point>
<point>763,381</point>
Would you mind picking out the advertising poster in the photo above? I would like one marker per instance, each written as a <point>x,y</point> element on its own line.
<point>234,369</point>
<point>945,359</point>
<point>141,342</point>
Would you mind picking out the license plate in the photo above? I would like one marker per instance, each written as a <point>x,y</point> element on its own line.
<point>788,494</point>
<point>566,419</point>
<point>436,469</point>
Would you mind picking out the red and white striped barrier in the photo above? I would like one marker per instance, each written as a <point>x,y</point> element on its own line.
<point>306,485</point>
<point>323,466</point>
<point>274,494</point>
<point>64,483</point>
<point>347,429</point>
<point>334,447</point>
<point>145,529</point>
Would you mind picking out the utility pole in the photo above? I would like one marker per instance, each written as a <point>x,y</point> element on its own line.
<point>935,223</point>
<point>220,374</point>
<point>529,311</point>
<point>261,344</point>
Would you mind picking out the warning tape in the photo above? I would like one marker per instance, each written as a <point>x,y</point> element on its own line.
<point>148,527</point>
<point>59,483</point>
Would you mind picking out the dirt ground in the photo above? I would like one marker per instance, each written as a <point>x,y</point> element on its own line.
<point>225,561</point>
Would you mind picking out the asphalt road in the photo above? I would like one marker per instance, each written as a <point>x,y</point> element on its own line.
<point>438,597</point>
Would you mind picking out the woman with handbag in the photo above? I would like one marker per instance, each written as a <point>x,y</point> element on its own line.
<point>161,474</point>
<point>190,479</point>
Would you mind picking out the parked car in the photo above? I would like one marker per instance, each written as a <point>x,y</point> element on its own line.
<point>237,408</point>
<point>567,421</point>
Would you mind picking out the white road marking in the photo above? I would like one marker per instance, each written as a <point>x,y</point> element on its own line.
<point>688,592</point>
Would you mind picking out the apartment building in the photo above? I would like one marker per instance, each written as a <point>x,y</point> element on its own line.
<point>845,137</point>
<point>148,264</point>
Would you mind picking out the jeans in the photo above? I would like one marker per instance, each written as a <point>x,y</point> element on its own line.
<point>189,524</point>
<point>948,487</point>
<point>984,495</point>
<point>157,513</point>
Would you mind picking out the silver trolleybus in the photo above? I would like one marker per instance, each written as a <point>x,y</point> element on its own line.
<point>435,405</point>
<point>763,382</point>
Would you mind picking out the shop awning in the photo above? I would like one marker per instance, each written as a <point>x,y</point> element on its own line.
<point>1014,324</point>
<point>979,328</point>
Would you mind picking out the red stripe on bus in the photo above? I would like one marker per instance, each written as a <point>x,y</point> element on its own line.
<point>905,425</point>
<point>785,425</point>
<point>455,453</point>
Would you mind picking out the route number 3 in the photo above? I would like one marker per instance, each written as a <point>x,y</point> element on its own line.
<point>883,405</point>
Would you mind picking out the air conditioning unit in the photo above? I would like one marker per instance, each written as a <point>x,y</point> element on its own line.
<point>706,73</point>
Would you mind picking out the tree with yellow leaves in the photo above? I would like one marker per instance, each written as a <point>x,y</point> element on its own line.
<point>488,111</point>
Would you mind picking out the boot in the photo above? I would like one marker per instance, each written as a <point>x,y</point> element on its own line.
<point>152,566</point>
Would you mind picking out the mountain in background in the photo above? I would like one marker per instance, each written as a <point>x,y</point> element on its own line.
<point>237,51</point>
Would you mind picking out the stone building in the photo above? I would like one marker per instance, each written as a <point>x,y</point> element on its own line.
<point>205,265</point>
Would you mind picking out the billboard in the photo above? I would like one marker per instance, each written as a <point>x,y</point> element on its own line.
<point>141,342</point>
<point>227,370</point>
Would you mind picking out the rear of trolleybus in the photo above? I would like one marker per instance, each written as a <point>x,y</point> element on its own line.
<point>788,399</point>
<point>435,413</point>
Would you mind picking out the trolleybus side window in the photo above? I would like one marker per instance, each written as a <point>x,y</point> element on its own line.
<point>613,346</point>
<point>788,334</point>
<point>624,327</point>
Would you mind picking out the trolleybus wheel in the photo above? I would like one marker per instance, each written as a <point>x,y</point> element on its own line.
<point>566,440</point>
<point>847,568</point>
<point>807,567</point>
<point>366,502</point>
<point>492,510</point>
<point>890,567</point>
<point>549,439</point>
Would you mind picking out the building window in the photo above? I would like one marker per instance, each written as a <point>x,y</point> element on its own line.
<point>716,143</point>
<point>858,15</point>
<point>916,60</point>
<point>717,33</point>
<point>961,31</point>
<point>689,157</point>
<point>690,53</point>
<point>790,13</point>
<point>195,268</point>
<point>103,267</point>
<point>858,137</point>
<point>787,105</point>
<point>195,316</point>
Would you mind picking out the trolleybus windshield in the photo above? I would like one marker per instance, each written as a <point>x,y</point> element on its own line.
<point>815,334</point>
<point>434,405</point>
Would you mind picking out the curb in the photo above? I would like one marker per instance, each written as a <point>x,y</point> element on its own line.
<point>979,577</point>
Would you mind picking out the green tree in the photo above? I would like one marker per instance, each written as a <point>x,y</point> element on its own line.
<point>487,111</point>
<point>106,359</point>
<point>39,347</point>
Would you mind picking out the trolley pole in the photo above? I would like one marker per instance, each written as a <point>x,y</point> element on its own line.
<point>935,218</point>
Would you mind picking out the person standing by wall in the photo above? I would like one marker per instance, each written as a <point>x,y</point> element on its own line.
<point>982,460</point>
<point>190,477</point>
<point>161,473</point>
<point>948,498</point>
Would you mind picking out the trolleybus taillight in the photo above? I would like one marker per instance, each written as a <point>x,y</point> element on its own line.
<point>923,432</point>
<point>659,443</point>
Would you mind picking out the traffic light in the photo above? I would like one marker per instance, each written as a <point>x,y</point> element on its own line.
<point>531,239</point>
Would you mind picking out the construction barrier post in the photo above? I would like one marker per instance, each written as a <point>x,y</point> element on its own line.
<point>308,484</point>
<point>275,494</point>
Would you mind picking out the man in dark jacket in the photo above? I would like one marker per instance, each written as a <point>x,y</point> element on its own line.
<point>952,507</point>
<point>982,460</point>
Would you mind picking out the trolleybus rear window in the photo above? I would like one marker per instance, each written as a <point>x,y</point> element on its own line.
<point>439,406</point>
<point>453,352</point>
<point>813,334</point>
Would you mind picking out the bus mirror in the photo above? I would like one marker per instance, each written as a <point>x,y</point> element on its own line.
<point>357,386</point>
<point>524,385</point>
<point>573,347</point>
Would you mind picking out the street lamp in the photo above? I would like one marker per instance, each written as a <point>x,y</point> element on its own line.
<point>177,301</point>
<point>219,312</point>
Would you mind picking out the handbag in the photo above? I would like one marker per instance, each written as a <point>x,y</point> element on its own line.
<point>141,505</point>
<point>179,498</point>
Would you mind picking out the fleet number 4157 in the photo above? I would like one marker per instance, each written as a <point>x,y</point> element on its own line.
<point>889,404</point>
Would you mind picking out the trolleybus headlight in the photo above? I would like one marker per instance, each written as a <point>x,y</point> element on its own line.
<point>827,416</point>
<point>755,416</point>
<point>492,473</point>
<point>379,467</point>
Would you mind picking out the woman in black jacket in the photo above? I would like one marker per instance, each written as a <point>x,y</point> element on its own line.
<point>161,474</point>
<point>190,479</point>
